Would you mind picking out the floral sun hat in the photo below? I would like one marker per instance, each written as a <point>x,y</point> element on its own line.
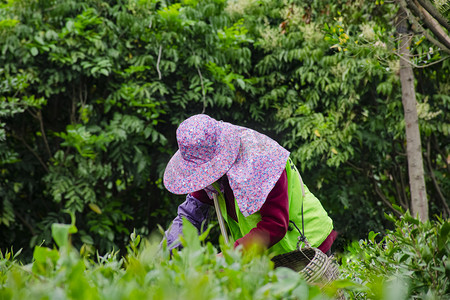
<point>208,149</point>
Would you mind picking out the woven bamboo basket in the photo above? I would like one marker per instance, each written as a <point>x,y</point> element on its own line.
<point>312,263</point>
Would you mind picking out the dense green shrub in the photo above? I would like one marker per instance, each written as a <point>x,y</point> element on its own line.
<point>410,262</point>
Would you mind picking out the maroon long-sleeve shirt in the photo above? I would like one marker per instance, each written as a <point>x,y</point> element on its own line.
<point>274,216</point>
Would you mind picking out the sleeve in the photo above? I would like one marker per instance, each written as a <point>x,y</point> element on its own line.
<point>202,196</point>
<point>274,217</point>
<point>194,211</point>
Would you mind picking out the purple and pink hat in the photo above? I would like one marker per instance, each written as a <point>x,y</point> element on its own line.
<point>209,149</point>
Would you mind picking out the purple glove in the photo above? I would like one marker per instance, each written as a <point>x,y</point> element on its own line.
<point>192,209</point>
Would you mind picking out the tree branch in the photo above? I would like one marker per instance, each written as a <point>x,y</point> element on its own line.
<point>44,136</point>
<point>72,113</point>
<point>423,15</point>
<point>402,182</point>
<point>423,66</point>
<point>381,195</point>
<point>399,191</point>
<point>32,151</point>
<point>420,28</point>
<point>354,166</point>
<point>434,26</point>
<point>399,183</point>
<point>436,185</point>
<point>384,199</point>
<point>25,223</point>
<point>203,90</point>
<point>157,63</point>
<point>431,9</point>
<point>438,150</point>
<point>82,95</point>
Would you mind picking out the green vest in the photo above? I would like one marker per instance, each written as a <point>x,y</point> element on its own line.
<point>317,223</point>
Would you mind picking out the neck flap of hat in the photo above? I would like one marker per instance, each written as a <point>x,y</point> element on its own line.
<point>256,170</point>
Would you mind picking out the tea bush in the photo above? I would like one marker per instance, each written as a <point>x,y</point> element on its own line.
<point>149,271</point>
<point>410,262</point>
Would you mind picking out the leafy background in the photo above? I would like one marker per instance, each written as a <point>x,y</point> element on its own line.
<point>92,92</point>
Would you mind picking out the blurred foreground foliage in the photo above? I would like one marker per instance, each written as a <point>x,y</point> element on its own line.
<point>410,262</point>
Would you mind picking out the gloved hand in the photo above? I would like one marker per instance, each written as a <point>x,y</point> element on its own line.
<point>195,212</point>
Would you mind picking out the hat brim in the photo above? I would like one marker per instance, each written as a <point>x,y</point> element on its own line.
<point>184,177</point>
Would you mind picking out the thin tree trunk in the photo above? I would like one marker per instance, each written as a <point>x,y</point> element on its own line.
<point>419,201</point>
